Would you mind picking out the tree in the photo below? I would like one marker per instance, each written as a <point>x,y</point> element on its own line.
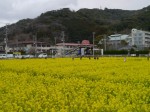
<point>124,43</point>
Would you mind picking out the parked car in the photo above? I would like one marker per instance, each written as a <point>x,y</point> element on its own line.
<point>43,55</point>
<point>10,56</point>
<point>18,56</point>
<point>28,56</point>
<point>3,56</point>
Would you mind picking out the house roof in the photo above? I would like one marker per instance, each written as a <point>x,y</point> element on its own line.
<point>83,43</point>
<point>68,44</point>
<point>118,37</point>
<point>73,44</point>
<point>27,42</point>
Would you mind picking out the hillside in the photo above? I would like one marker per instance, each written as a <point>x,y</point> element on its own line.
<point>78,25</point>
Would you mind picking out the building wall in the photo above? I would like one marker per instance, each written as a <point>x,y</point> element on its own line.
<point>147,39</point>
<point>140,38</point>
<point>115,41</point>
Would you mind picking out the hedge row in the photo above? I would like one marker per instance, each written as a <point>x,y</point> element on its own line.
<point>115,52</point>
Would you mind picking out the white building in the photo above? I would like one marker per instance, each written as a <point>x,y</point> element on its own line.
<point>118,41</point>
<point>140,39</point>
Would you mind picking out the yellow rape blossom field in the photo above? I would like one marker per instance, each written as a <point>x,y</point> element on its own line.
<point>64,85</point>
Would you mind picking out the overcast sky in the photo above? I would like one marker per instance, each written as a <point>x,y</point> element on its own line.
<point>14,10</point>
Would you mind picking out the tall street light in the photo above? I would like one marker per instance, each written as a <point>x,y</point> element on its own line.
<point>93,42</point>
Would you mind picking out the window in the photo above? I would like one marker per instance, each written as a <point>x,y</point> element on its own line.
<point>140,34</point>
<point>147,37</point>
<point>147,34</point>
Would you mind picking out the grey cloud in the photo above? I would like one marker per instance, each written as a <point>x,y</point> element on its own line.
<point>35,8</point>
<point>13,10</point>
<point>18,9</point>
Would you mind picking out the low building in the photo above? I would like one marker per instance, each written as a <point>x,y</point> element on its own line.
<point>118,41</point>
<point>85,43</point>
<point>76,48</point>
<point>26,46</point>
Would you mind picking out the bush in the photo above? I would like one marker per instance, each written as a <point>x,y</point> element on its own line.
<point>116,52</point>
<point>119,52</point>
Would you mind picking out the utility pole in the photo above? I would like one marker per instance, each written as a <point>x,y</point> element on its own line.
<point>93,42</point>
<point>105,42</point>
<point>17,45</point>
<point>6,40</point>
<point>35,43</point>
<point>55,40</point>
<point>41,46</point>
<point>55,46</point>
<point>63,39</point>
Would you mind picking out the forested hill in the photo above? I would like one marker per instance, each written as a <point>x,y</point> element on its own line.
<point>78,25</point>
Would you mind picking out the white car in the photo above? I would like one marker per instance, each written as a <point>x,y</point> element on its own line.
<point>10,56</point>
<point>18,56</point>
<point>3,56</point>
<point>43,55</point>
<point>28,56</point>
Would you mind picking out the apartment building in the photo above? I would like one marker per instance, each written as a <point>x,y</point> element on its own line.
<point>140,39</point>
